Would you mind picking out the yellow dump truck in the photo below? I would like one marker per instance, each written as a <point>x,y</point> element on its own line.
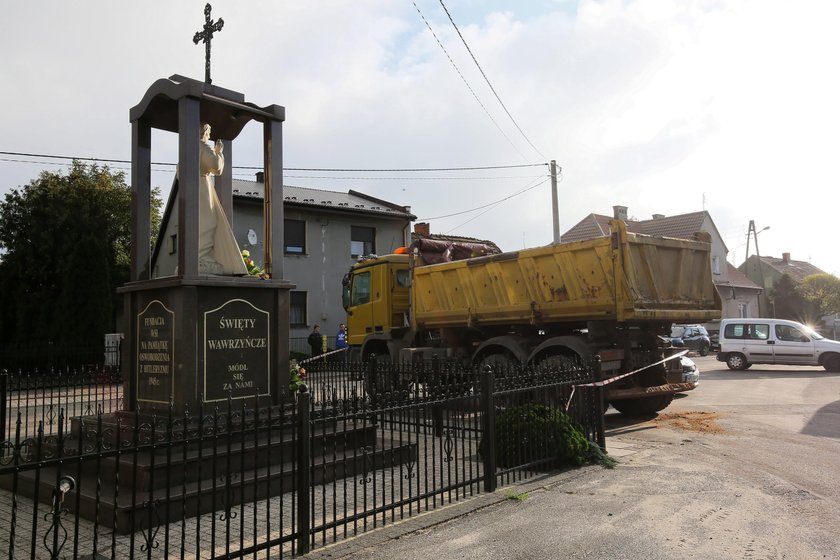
<point>614,296</point>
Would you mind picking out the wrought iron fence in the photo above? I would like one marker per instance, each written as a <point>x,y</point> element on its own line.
<point>365,446</point>
<point>45,356</point>
<point>39,397</point>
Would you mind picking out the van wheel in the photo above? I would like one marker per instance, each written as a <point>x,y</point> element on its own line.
<point>832,363</point>
<point>704,350</point>
<point>737,362</point>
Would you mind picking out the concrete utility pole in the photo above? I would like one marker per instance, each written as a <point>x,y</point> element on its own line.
<point>554,205</point>
<point>755,233</point>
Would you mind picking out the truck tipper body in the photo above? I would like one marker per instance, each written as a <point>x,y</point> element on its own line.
<point>615,297</point>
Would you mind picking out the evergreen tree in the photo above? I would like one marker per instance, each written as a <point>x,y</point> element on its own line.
<point>65,245</point>
<point>788,303</point>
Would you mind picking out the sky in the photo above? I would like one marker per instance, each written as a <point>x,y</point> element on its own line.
<point>663,106</point>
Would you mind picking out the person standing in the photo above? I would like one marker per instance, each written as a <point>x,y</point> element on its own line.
<point>341,340</point>
<point>315,341</point>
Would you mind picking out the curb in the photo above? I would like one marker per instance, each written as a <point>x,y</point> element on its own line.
<point>375,538</point>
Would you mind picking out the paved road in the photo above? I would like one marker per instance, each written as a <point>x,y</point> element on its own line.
<point>745,467</point>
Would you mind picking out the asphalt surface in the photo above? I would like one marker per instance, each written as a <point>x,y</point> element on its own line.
<point>746,466</point>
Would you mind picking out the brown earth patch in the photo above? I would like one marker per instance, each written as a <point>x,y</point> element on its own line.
<point>691,421</point>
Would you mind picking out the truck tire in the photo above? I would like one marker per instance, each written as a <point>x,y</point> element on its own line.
<point>380,381</point>
<point>642,406</point>
<point>501,363</point>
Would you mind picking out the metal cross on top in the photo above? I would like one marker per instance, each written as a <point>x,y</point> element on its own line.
<point>206,36</point>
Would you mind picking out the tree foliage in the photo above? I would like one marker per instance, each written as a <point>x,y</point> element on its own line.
<point>822,291</point>
<point>789,303</point>
<point>66,246</point>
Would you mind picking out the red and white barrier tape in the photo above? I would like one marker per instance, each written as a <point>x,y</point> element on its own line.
<point>324,355</point>
<point>622,376</point>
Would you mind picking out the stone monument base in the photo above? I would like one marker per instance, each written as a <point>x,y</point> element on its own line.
<point>138,476</point>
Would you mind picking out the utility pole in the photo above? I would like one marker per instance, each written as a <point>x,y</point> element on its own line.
<point>555,209</point>
<point>763,284</point>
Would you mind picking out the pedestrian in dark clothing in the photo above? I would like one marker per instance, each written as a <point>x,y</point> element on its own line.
<point>315,341</point>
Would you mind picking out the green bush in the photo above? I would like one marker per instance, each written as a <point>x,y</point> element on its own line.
<point>532,432</point>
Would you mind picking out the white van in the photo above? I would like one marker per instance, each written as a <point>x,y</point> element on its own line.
<point>744,342</point>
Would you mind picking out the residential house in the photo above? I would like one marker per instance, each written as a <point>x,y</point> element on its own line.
<point>739,295</point>
<point>766,271</point>
<point>324,233</point>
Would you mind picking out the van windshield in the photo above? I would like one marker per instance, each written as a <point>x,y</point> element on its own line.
<point>812,333</point>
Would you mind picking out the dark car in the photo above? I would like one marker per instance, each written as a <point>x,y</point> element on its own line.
<point>693,337</point>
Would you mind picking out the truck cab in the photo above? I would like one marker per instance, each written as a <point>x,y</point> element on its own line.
<point>376,298</point>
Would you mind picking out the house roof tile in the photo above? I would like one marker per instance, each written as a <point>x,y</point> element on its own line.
<point>798,270</point>
<point>681,226</point>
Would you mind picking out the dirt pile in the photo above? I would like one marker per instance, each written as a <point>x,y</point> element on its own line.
<point>691,421</point>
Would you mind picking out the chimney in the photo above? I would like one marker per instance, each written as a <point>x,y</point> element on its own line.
<point>786,258</point>
<point>260,176</point>
<point>658,216</point>
<point>421,228</point>
<point>620,212</point>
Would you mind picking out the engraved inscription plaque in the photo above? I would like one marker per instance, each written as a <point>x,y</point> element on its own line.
<point>236,351</point>
<point>155,353</point>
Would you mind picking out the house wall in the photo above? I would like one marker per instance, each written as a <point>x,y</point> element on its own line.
<point>317,272</point>
<point>320,270</point>
<point>719,252</point>
<point>765,276</point>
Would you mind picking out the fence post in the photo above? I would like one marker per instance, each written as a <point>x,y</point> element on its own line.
<point>4,395</point>
<point>437,409</point>
<point>489,424</point>
<point>598,375</point>
<point>304,478</point>
<point>373,387</point>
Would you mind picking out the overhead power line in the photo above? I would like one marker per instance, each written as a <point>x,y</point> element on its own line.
<point>498,202</point>
<point>313,169</point>
<point>486,79</point>
<point>521,191</point>
<point>466,83</point>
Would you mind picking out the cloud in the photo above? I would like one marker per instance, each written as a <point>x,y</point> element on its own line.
<point>655,105</point>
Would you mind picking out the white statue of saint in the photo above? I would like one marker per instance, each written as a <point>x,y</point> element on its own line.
<point>218,252</point>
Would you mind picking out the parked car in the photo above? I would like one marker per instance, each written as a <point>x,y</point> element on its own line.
<point>691,373</point>
<point>693,337</point>
<point>744,342</point>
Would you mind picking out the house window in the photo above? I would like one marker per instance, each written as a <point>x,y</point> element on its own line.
<point>294,237</point>
<point>173,244</point>
<point>742,310</point>
<point>716,264</point>
<point>362,241</point>
<point>297,309</point>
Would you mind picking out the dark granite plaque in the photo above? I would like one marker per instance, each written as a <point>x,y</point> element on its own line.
<point>236,351</point>
<point>155,353</point>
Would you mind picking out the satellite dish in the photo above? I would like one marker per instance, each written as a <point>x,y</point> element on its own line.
<point>252,237</point>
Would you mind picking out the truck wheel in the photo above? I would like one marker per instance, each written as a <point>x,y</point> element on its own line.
<point>380,381</point>
<point>642,406</point>
<point>832,363</point>
<point>704,349</point>
<point>500,363</point>
<point>736,361</point>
